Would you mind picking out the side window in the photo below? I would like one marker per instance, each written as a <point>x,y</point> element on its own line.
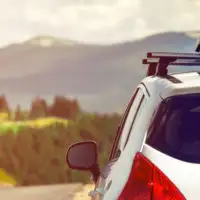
<point>114,150</point>
<point>130,119</point>
<point>136,118</point>
<point>127,123</point>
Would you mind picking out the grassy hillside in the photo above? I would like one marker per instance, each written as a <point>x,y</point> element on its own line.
<point>40,123</point>
<point>33,148</point>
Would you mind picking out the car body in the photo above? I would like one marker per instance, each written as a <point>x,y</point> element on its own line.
<point>156,151</point>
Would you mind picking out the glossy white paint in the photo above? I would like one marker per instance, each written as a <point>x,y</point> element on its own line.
<point>159,88</point>
<point>184,175</point>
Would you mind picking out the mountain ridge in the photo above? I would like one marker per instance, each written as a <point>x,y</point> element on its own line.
<point>101,77</point>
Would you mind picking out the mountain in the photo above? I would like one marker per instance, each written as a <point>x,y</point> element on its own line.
<point>102,77</point>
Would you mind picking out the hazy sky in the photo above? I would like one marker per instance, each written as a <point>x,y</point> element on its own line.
<point>95,20</point>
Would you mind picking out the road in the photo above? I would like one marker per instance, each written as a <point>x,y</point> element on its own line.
<point>52,192</point>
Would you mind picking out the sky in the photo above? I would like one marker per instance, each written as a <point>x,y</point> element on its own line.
<point>95,21</point>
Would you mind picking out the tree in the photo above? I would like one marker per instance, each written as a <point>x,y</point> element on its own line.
<point>64,108</point>
<point>18,113</point>
<point>39,108</point>
<point>3,104</point>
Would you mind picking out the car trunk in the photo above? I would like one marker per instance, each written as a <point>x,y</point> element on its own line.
<point>184,175</point>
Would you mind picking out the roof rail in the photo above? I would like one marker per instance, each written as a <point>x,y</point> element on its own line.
<point>159,61</point>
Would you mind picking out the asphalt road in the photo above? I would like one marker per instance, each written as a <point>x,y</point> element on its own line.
<point>52,192</point>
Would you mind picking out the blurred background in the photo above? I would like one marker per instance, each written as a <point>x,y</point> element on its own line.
<point>67,71</point>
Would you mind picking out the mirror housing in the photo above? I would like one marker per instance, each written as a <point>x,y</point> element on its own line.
<point>83,156</point>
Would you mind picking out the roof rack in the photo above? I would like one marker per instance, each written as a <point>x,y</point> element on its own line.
<point>159,61</point>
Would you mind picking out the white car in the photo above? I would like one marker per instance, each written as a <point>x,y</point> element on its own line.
<point>156,151</point>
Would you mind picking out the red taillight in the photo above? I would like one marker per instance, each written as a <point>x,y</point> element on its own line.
<point>147,182</point>
<point>163,188</point>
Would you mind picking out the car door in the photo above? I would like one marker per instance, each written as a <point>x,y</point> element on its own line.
<point>113,154</point>
<point>129,119</point>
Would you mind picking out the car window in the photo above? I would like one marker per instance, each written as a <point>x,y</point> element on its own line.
<point>115,151</point>
<point>136,118</point>
<point>131,115</point>
<point>175,129</point>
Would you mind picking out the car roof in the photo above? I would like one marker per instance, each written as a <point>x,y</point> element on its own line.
<point>174,84</point>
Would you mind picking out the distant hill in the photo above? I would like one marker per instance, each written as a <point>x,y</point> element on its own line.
<point>101,77</point>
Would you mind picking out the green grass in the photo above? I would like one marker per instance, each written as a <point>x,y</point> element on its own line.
<point>40,123</point>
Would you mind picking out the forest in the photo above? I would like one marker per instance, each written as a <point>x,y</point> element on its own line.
<point>33,143</point>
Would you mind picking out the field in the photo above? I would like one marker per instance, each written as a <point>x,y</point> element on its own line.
<point>40,123</point>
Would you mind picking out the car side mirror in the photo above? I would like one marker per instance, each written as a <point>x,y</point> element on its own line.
<point>83,156</point>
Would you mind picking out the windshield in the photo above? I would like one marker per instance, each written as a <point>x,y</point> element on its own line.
<point>175,130</point>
